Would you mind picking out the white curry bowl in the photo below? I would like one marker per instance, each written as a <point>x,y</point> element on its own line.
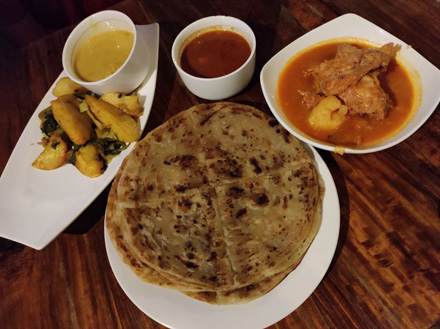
<point>353,26</point>
<point>134,70</point>
<point>226,85</point>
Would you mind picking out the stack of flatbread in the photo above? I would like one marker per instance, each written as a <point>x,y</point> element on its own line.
<point>219,202</point>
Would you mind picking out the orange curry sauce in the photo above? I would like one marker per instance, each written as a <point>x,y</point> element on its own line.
<point>395,81</point>
<point>214,54</point>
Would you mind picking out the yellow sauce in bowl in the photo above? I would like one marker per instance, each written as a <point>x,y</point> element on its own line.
<point>102,55</point>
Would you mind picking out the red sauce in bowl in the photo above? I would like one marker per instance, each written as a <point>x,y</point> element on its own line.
<point>214,54</point>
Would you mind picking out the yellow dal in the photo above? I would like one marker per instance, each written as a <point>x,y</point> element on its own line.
<point>103,54</point>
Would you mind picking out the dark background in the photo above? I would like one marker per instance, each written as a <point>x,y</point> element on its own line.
<point>24,21</point>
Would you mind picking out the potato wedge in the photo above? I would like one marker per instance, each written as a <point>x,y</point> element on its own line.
<point>65,86</point>
<point>78,126</point>
<point>53,155</point>
<point>128,104</point>
<point>88,161</point>
<point>124,126</point>
<point>329,114</point>
<point>95,121</point>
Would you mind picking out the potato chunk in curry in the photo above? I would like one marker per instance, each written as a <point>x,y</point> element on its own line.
<point>329,114</point>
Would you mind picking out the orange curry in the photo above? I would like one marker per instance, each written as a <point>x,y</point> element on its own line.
<point>395,82</point>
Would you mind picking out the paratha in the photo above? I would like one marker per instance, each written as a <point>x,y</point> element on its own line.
<point>219,202</point>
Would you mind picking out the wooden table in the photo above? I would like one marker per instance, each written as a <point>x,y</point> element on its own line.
<point>386,269</point>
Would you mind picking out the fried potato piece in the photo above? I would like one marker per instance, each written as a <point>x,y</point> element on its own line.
<point>128,104</point>
<point>88,161</point>
<point>65,86</point>
<point>53,155</point>
<point>78,126</point>
<point>123,125</point>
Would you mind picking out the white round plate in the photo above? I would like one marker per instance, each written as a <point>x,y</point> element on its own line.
<point>175,310</point>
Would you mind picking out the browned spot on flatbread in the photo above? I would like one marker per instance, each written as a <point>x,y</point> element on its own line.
<point>261,199</point>
<point>256,165</point>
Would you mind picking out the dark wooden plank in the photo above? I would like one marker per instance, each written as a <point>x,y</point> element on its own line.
<point>385,273</point>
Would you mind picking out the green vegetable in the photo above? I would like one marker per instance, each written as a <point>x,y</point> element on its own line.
<point>49,124</point>
<point>115,148</point>
<point>43,113</point>
<point>108,147</point>
<point>72,158</point>
<point>83,107</point>
<point>74,148</point>
<point>59,131</point>
<point>108,134</point>
<point>54,145</point>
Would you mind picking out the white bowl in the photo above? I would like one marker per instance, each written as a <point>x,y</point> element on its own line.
<point>224,86</point>
<point>351,25</point>
<point>131,74</point>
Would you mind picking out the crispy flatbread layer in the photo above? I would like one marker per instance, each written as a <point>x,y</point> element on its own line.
<point>219,202</point>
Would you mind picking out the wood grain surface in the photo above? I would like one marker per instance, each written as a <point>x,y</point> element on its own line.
<point>386,269</point>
